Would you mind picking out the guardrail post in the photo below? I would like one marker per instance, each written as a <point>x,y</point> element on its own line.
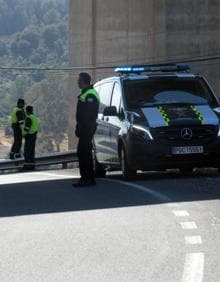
<point>64,165</point>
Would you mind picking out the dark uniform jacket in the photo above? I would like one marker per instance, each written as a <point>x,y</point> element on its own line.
<point>27,124</point>
<point>20,117</point>
<point>86,115</point>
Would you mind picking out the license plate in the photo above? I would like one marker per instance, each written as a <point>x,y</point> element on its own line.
<point>187,150</point>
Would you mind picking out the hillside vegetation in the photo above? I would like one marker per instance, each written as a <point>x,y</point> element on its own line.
<point>34,33</point>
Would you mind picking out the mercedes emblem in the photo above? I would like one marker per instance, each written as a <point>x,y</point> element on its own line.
<point>186,133</point>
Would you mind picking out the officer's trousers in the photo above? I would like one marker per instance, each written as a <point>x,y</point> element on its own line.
<point>16,147</point>
<point>84,152</point>
<point>29,150</point>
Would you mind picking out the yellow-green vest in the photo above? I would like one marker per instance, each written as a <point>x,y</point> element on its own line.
<point>14,114</point>
<point>35,124</point>
<point>91,91</point>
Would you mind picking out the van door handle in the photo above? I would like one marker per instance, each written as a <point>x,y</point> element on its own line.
<point>107,119</point>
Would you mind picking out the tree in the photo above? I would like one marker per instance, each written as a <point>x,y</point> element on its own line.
<point>51,17</point>
<point>20,86</point>
<point>3,49</point>
<point>36,58</point>
<point>50,35</point>
<point>20,47</point>
<point>59,47</point>
<point>13,48</point>
<point>32,36</point>
<point>23,48</point>
<point>52,92</point>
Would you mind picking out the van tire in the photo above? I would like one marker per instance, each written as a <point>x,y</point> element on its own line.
<point>186,170</point>
<point>99,170</point>
<point>128,173</point>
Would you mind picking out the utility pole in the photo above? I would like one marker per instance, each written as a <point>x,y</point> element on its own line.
<point>93,39</point>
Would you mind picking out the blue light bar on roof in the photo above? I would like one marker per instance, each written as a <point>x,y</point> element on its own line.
<point>152,68</point>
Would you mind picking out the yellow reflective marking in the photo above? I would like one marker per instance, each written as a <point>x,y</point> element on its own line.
<point>198,114</point>
<point>164,115</point>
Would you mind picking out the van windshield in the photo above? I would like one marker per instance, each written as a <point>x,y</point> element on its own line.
<point>167,90</point>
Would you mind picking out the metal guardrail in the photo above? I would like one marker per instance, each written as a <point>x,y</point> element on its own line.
<point>42,160</point>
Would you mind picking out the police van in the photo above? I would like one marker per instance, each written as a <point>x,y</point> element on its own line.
<point>156,117</point>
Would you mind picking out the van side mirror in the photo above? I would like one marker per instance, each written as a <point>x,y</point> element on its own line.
<point>110,111</point>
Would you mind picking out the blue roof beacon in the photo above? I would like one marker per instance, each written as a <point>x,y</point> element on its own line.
<point>152,68</point>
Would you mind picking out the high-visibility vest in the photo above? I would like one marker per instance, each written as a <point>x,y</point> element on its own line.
<point>91,91</point>
<point>14,114</point>
<point>35,125</point>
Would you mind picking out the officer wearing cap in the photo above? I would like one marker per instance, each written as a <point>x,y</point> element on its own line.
<point>31,127</point>
<point>86,115</point>
<point>17,121</point>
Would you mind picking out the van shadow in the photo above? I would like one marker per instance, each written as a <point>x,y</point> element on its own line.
<point>202,184</point>
<point>59,196</point>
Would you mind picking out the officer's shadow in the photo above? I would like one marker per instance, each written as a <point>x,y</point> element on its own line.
<point>59,196</point>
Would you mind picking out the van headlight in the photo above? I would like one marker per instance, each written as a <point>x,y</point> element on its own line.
<point>219,130</point>
<point>142,131</point>
<point>217,110</point>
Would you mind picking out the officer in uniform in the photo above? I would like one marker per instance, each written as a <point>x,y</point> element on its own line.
<point>17,121</point>
<point>86,115</point>
<point>30,131</point>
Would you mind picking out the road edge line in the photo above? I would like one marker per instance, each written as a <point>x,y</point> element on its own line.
<point>163,198</point>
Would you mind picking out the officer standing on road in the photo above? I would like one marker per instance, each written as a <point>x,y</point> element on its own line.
<point>86,115</point>
<point>17,121</point>
<point>30,131</point>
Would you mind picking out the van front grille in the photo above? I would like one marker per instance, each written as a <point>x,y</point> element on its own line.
<point>175,135</point>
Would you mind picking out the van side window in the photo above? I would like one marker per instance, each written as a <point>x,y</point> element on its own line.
<point>105,94</point>
<point>116,96</point>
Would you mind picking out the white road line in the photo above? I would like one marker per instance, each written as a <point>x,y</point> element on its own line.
<point>159,196</point>
<point>193,268</point>
<point>194,262</point>
<point>188,225</point>
<point>56,175</point>
<point>173,205</point>
<point>193,240</point>
<point>180,213</point>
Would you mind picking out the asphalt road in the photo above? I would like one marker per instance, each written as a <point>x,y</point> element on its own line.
<point>161,227</point>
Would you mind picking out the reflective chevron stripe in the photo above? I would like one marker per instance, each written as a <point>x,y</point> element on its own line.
<point>154,117</point>
<point>164,115</point>
<point>198,114</point>
<point>207,114</point>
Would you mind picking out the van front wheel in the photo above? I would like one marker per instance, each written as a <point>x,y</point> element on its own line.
<point>127,172</point>
<point>99,170</point>
<point>187,171</point>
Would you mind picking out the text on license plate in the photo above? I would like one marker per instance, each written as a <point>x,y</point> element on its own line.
<point>187,150</point>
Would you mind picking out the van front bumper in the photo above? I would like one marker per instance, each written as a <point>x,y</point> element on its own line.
<point>150,155</point>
